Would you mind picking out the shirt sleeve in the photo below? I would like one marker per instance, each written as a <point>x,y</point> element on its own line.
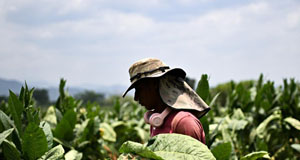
<point>191,126</point>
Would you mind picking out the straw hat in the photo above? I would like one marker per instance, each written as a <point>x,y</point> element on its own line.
<point>173,90</point>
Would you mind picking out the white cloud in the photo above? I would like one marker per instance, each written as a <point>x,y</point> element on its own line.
<point>191,2</point>
<point>235,42</point>
<point>293,19</point>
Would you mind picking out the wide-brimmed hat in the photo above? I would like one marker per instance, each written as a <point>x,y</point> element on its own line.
<point>173,90</point>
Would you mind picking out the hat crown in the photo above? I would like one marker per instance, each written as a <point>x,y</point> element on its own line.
<point>144,67</point>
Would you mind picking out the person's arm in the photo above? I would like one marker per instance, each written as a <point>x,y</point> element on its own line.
<point>191,126</point>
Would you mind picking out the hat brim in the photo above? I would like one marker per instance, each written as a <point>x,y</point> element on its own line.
<point>179,95</point>
<point>175,71</point>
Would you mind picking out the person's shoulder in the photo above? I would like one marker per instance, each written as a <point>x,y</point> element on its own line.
<point>184,114</point>
<point>186,123</point>
<point>183,117</point>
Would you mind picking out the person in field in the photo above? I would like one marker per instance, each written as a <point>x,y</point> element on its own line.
<point>173,106</point>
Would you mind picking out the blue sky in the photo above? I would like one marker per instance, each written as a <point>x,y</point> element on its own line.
<point>93,42</point>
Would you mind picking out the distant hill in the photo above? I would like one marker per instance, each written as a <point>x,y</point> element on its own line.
<point>15,86</point>
<point>5,85</point>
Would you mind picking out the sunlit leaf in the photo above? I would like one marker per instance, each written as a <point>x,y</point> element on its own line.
<point>261,129</point>
<point>296,147</point>
<point>256,155</point>
<point>73,155</point>
<point>5,134</point>
<point>50,117</point>
<point>108,132</point>
<point>54,153</point>
<point>293,122</point>
<point>5,120</point>
<point>48,133</point>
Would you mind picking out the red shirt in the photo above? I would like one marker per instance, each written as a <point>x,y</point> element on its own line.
<point>181,122</point>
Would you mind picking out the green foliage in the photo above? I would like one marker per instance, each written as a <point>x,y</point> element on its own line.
<point>28,138</point>
<point>64,101</point>
<point>166,146</point>
<point>255,116</point>
<point>248,120</point>
<point>261,130</point>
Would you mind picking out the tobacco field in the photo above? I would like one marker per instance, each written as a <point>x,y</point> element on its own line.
<point>248,120</point>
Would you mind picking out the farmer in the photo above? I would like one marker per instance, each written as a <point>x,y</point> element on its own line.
<point>173,106</point>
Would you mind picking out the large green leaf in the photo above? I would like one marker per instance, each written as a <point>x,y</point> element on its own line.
<point>5,134</point>
<point>256,155</point>
<point>54,153</point>
<point>261,129</point>
<point>222,150</point>
<point>179,146</point>
<point>108,132</point>
<point>64,129</point>
<point>10,151</point>
<point>293,122</point>
<point>203,87</point>
<point>73,155</point>
<point>48,133</point>
<point>34,142</point>
<point>169,146</point>
<point>16,109</point>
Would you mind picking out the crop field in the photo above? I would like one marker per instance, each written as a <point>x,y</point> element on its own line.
<point>248,120</point>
